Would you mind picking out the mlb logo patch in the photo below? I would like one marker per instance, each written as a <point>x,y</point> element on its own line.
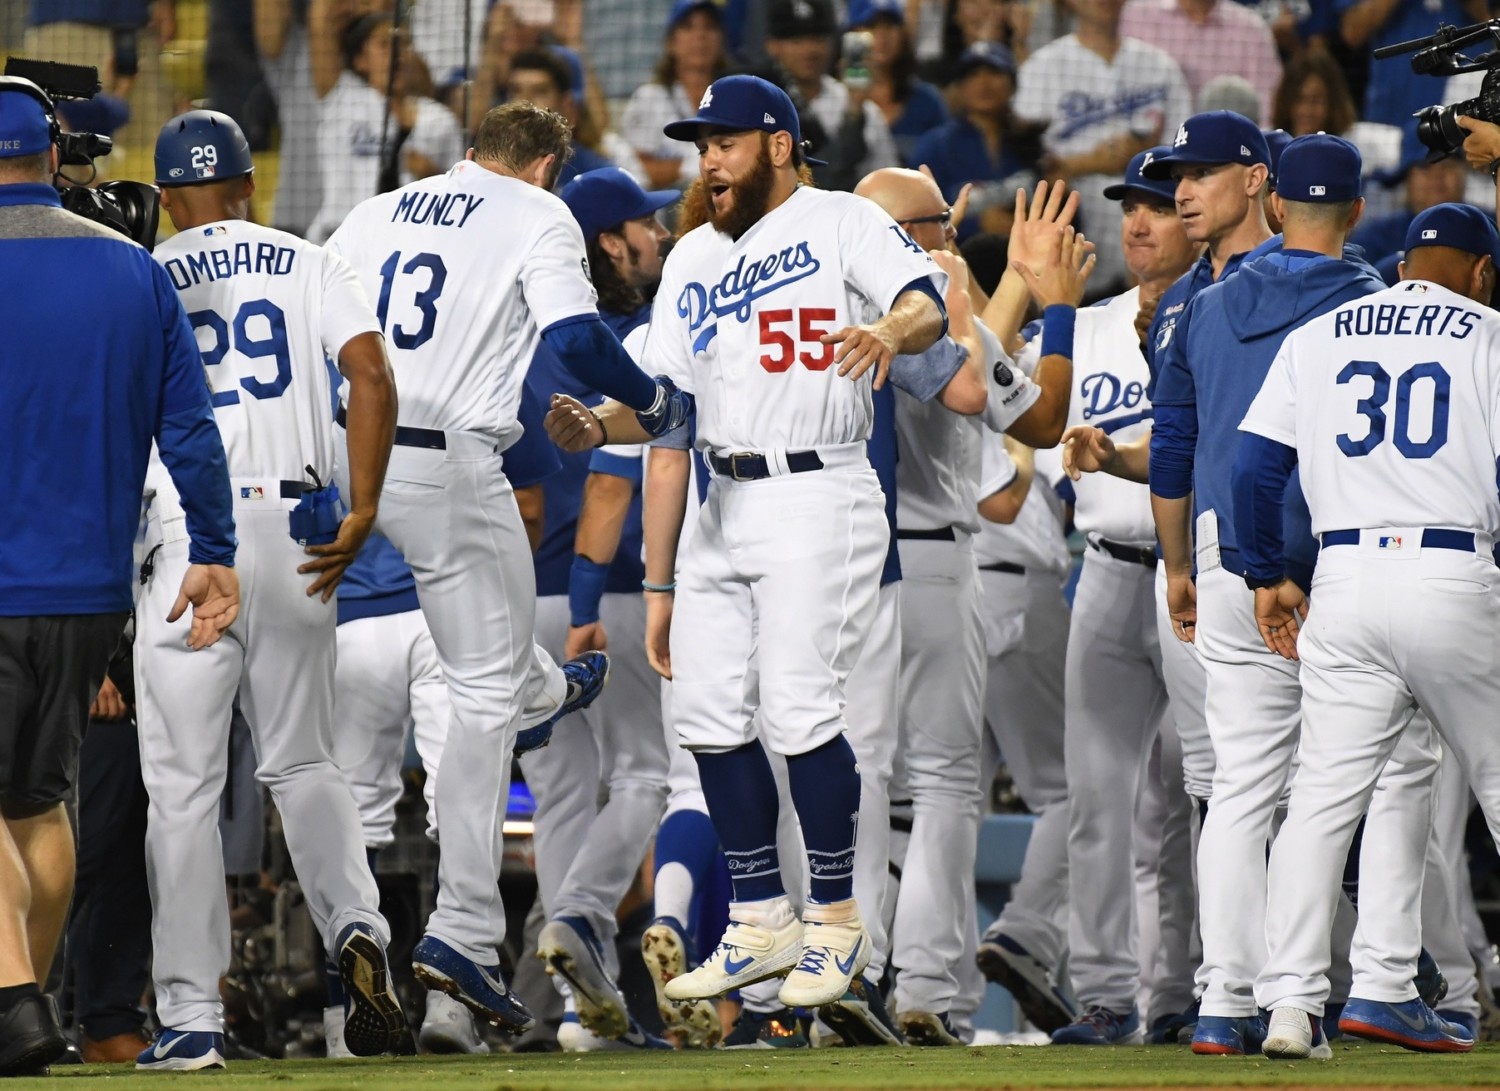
<point>1317,191</point>
<point>1429,233</point>
<point>217,229</point>
<point>1390,541</point>
<point>252,492</point>
<point>205,172</point>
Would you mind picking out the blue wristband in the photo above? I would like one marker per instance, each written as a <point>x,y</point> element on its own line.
<point>585,589</point>
<point>1057,330</point>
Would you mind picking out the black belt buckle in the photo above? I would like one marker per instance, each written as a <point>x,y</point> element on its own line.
<point>743,466</point>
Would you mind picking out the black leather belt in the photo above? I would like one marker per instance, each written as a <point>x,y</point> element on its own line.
<point>1003,566</point>
<point>942,534</point>
<point>1146,558</point>
<point>752,467</point>
<point>431,438</point>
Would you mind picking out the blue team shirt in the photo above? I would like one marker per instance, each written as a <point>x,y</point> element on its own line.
<point>1395,92</point>
<point>554,560</point>
<point>923,111</point>
<point>82,395</point>
<point>956,153</point>
<point>110,13</point>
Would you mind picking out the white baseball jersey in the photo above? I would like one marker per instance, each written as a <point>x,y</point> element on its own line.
<point>350,130</point>
<point>738,322</point>
<point>1085,100</point>
<point>1393,404</point>
<point>267,307</point>
<point>937,474</point>
<point>1109,392</point>
<point>462,370</point>
<point>1035,540</point>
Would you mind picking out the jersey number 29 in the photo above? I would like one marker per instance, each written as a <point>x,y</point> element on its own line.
<point>248,343</point>
<point>1373,408</point>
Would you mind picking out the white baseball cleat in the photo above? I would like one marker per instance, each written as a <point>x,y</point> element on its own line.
<point>665,950</point>
<point>834,953</point>
<point>1294,1035</point>
<point>748,953</point>
<point>449,1027</point>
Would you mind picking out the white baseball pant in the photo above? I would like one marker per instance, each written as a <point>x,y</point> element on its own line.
<point>937,766</point>
<point>1187,697</point>
<point>1116,705</point>
<point>387,680</point>
<point>278,655</point>
<point>587,855</point>
<point>776,594</point>
<point>1443,887</point>
<point>1026,638</point>
<point>453,516</point>
<point>1387,632</point>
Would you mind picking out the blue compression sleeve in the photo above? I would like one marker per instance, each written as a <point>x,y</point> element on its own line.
<point>595,357</point>
<point>1261,470</point>
<point>194,456</point>
<point>1174,435</point>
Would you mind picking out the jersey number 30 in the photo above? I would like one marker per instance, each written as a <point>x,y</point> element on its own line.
<point>1373,408</point>
<point>425,301</point>
<point>248,343</point>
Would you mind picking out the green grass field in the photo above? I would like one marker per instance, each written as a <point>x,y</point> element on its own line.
<point>1011,1067</point>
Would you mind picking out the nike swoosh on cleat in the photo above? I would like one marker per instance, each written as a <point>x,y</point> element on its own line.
<point>159,1053</point>
<point>733,967</point>
<point>846,965</point>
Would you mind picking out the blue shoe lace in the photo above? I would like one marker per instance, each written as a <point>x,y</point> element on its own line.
<point>813,960</point>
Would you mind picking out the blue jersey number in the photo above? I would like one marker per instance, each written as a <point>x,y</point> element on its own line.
<point>246,343</point>
<point>1373,408</point>
<point>425,301</point>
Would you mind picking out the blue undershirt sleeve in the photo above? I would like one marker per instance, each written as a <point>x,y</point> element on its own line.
<point>1174,435</point>
<point>595,357</point>
<point>1262,468</point>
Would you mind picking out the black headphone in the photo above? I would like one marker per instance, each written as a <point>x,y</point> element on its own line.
<point>25,87</point>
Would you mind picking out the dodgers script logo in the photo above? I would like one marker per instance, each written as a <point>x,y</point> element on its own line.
<point>748,281</point>
<point>1103,393</point>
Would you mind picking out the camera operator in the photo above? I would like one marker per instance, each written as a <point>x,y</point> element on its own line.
<point>82,395</point>
<point>1482,149</point>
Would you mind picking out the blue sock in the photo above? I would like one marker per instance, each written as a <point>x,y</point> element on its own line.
<point>688,838</point>
<point>741,794</point>
<point>825,791</point>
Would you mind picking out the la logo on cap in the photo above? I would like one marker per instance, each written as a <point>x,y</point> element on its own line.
<point>1430,233</point>
<point>1317,191</point>
<point>707,100</point>
<point>1146,162</point>
<point>1182,137</point>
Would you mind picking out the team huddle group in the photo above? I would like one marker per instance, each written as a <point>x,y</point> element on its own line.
<point>817,496</point>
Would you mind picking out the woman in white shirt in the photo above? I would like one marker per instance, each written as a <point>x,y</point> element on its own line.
<point>374,134</point>
<point>693,59</point>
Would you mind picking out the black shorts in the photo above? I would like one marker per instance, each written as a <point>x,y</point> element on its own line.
<point>50,670</point>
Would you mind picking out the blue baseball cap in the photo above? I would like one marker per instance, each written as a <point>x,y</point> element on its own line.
<point>738,104</point>
<point>987,55</point>
<point>1319,169</point>
<point>1276,142</point>
<point>603,199</point>
<point>24,126</point>
<point>1163,189</point>
<point>574,63</point>
<point>864,12</point>
<point>1219,136</point>
<point>1461,227</point>
<point>683,8</point>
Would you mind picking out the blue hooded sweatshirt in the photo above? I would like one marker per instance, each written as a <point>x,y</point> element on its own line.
<point>1229,334</point>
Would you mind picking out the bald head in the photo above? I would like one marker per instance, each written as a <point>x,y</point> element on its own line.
<point>913,200</point>
<point>1470,275</point>
<point>902,193</point>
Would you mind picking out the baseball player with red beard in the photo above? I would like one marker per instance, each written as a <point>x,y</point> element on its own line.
<point>779,315</point>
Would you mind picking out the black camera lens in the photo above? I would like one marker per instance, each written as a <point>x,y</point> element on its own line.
<point>1438,129</point>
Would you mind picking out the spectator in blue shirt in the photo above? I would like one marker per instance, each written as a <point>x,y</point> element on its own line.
<point>1395,92</point>
<point>912,107</point>
<point>544,78</point>
<point>981,145</point>
<point>82,395</point>
<point>1427,184</point>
